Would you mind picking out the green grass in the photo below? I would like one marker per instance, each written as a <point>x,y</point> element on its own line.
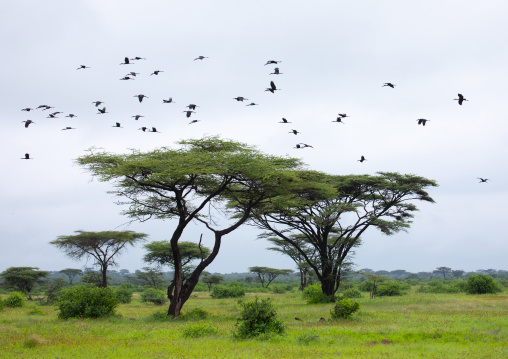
<point>417,325</point>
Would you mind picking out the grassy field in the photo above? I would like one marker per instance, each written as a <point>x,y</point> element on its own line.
<point>412,326</point>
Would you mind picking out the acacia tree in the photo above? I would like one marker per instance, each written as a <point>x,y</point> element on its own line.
<point>71,273</point>
<point>444,271</point>
<point>332,212</point>
<point>191,184</point>
<point>103,247</point>
<point>210,279</point>
<point>23,279</point>
<point>150,276</point>
<point>267,275</point>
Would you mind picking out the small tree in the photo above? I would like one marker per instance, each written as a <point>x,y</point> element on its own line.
<point>444,271</point>
<point>103,247</point>
<point>481,284</point>
<point>212,279</point>
<point>457,273</point>
<point>372,283</point>
<point>71,273</point>
<point>150,276</point>
<point>258,317</point>
<point>267,275</point>
<point>23,279</point>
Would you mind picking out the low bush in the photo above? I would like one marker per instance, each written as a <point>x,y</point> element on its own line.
<point>231,290</point>
<point>257,317</point>
<point>15,300</point>
<point>198,330</point>
<point>53,291</point>
<point>195,314</point>
<point>344,309</point>
<point>35,311</point>
<point>389,289</point>
<point>481,284</point>
<point>314,295</point>
<point>123,295</point>
<point>352,293</point>
<point>86,301</point>
<point>439,286</point>
<point>278,289</point>
<point>155,296</point>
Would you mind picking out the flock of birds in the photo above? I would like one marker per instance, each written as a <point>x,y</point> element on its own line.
<point>191,108</point>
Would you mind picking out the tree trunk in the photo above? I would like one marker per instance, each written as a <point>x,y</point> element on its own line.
<point>181,296</point>
<point>104,283</point>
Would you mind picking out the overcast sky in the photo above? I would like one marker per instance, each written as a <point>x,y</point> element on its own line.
<point>335,57</point>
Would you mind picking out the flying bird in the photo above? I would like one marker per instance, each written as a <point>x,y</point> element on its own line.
<point>276,71</point>
<point>422,121</point>
<point>272,88</point>
<point>68,128</point>
<point>156,72</point>
<point>482,180</point>
<point>52,115</point>
<point>138,58</point>
<point>97,103</point>
<point>28,109</point>
<point>188,113</point>
<point>303,145</point>
<point>126,61</point>
<point>71,115</point>
<point>284,121</point>
<point>82,67</point>
<point>192,106</point>
<point>460,99</point>
<point>343,115</point>
<point>27,157</point>
<point>44,107</point>
<point>27,123</point>
<point>270,62</point>
<point>56,113</point>
<point>193,121</point>
<point>362,159</point>
<point>132,73</point>
<point>200,58</point>
<point>252,104</point>
<point>154,130</point>
<point>102,110</point>
<point>142,128</point>
<point>126,78</point>
<point>240,98</point>
<point>339,120</point>
<point>136,117</point>
<point>294,132</point>
<point>140,97</point>
<point>170,100</point>
<point>389,84</point>
<point>117,124</point>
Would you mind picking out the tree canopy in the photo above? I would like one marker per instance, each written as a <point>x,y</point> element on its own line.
<point>267,275</point>
<point>103,247</point>
<point>23,279</point>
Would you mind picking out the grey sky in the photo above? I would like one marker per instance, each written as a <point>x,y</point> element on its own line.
<point>335,57</point>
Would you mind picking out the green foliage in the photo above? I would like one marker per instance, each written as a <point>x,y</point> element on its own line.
<point>209,280</point>
<point>266,275</point>
<point>313,294</point>
<point>231,290</point>
<point>440,286</point>
<point>124,296</point>
<point>155,296</point>
<point>352,293</point>
<point>198,330</point>
<point>15,300</point>
<point>22,279</point>
<point>2,304</point>
<point>278,289</point>
<point>92,278</point>
<point>128,286</point>
<point>481,284</point>
<point>54,290</point>
<point>195,314</point>
<point>344,309</point>
<point>307,338</point>
<point>86,301</point>
<point>389,289</point>
<point>159,317</point>
<point>35,311</point>
<point>258,317</point>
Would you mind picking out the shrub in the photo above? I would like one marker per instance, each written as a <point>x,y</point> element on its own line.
<point>352,293</point>
<point>278,289</point>
<point>54,290</point>
<point>195,314</point>
<point>35,311</point>
<point>15,300</point>
<point>128,286</point>
<point>159,316</point>
<point>314,295</point>
<point>2,304</point>
<point>199,330</point>
<point>438,286</point>
<point>258,317</point>
<point>231,290</point>
<point>86,301</point>
<point>481,284</point>
<point>123,295</point>
<point>155,296</point>
<point>389,289</point>
<point>344,309</point>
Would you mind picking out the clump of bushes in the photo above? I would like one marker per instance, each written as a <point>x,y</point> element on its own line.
<point>389,289</point>
<point>344,309</point>
<point>481,284</point>
<point>258,317</point>
<point>35,311</point>
<point>15,300</point>
<point>155,296</point>
<point>231,290</point>
<point>438,286</point>
<point>86,301</point>
<point>199,330</point>
<point>195,314</point>
<point>314,295</point>
<point>54,290</point>
<point>352,293</point>
<point>123,295</point>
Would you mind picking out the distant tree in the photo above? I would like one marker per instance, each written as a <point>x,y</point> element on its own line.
<point>71,273</point>
<point>372,282</point>
<point>23,279</point>
<point>444,271</point>
<point>382,272</point>
<point>151,277</point>
<point>124,272</point>
<point>399,273</point>
<point>211,279</point>
<point>103,247</point>
<point>267,275</point>
<point>457,273</point>
<point>491,272</point>
<point>93,278</point>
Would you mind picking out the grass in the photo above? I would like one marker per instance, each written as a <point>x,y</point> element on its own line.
<point>417,325</point>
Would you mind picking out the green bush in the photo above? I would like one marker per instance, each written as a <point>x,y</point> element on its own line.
<point>15,300</point>
<point>198,330</point>
<point>439,286</point>
<point>481,284</point>
<point>278,289</point>
<point>231,290</point>
<point>86,301</point>
<point>155,296</point>
<point>123,295</point>
<point>344,309</point>
<point>195,314</point>
<point>54,290</point>
<point>352,293</point>
<point>257,317</point>
<point>314,294</point>
<point>128,286</point>
<point>389,289</point>
<point>35,311</point>
<point>2,304</point>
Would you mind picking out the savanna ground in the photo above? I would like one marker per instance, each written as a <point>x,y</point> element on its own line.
<point>416,325</point>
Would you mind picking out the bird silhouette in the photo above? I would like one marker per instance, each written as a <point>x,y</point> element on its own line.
<point>188,113</point>
<point>154,130</point>
<point>27,109</point>
<point>240,98</point>
<point>140,97</point>
<point>170,100</point>
<point>272,87</point>
<point>117,124</point>
<point>193,121</point>
<point>102,110</point>
<point>56,113</point>
<point>44,107</point>
<point>296,318</point>
<point>422,121</point>
<point>27,123</point>
<point>142,128</point>
<point>483,180</point>
<point>294,132</point>
<point>51,115</point>
<point>82,67</point>
<point>136,117</point>
<point>303,145</point>
<point>389,84</point>
<point>138,58</point>
<point>27,157</point>
<point>284,121</point>
<point>460,99</point>
<point>276,71</point>
<point>343,115</point>
<point>97,103</point>
<point>200,58</point>
<point>68,128</point>
<point>126,78</point>
<point>252,104</point>
<point>126,61</point>
<point>156,72</point>
<point>339,120</point>
<point>132,73</point>
<point>71,115</point>
<point>192,106</point>
<point>362,159</point>
<point>270,62</point>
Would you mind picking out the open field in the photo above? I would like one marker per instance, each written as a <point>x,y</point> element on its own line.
<point>415,326</point>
